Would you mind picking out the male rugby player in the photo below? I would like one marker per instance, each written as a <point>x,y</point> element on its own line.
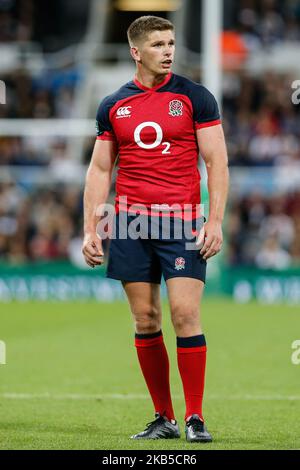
<point>157,124</point>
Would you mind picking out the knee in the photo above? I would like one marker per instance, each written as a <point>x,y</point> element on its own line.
<point>147,320</point>
<point>184,319</point>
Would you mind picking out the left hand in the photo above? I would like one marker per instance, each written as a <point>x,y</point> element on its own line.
<point>211,238</point>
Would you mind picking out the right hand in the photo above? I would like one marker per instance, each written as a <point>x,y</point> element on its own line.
<point>92,250</point>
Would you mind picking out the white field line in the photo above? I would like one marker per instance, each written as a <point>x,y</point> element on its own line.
<point>119,396</point>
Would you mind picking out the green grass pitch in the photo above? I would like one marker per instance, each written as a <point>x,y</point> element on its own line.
<point>72,380</point>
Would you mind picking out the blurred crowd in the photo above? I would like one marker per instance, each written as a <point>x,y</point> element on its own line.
<point>40,224</point>
<point>32,151</point>
<point>261,124</point>
<point>45,224</point>
<point>43,96</point>
<point>16,20</point>
<point>262,128</point>
<point>264,23</point>
<point>48,95</point>
<point>264,231</point>
<point>51,25</point>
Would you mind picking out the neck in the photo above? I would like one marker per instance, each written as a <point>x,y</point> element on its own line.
<point>149,80</point>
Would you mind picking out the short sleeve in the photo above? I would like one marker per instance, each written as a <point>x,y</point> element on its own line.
<point>206,110</point>
<point>104,128</point>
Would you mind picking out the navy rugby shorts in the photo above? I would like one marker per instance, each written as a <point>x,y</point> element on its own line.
<point>143,248</point>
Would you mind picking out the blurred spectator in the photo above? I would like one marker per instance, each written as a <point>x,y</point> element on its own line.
<point>44,22</point>
<point>61,167</point>
<point>262,125</point>
<point>268,22</point>
<point>264,231</point>
<point>38,225</point>
<point>272,255</point>
<point>63,104</point>
<point>46,95</point>
<point>16,20</point>
<point>278,224</point>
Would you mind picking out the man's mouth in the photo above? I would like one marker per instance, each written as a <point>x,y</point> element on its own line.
<point>167,62</point>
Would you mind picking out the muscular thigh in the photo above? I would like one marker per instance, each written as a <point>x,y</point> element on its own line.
<point>185,291</point>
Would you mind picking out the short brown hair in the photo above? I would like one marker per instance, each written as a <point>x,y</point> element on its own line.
<point>144,25</point>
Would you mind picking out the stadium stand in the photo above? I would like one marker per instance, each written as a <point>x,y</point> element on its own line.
<point>40,173</point>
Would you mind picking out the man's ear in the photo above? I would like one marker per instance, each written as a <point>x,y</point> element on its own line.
<point>135,53</point>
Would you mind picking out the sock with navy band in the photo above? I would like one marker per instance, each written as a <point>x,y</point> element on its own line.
<point>154,362</point>
<point>191,358</point>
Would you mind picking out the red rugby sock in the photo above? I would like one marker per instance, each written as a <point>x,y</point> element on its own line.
<point>191,358</point>
<point>154,362</point>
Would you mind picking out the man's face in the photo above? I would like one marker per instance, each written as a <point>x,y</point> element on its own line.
<point>156,52</point>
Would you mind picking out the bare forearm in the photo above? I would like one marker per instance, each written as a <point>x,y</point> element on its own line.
<point>95,193</point>
<point>218,182</point>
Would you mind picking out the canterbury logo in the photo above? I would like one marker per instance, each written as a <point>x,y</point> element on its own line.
<point>124,112</point>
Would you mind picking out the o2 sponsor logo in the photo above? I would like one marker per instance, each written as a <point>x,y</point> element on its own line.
<point>158,140</point>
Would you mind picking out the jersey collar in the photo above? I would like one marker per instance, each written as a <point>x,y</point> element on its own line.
<point>154,88</point>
